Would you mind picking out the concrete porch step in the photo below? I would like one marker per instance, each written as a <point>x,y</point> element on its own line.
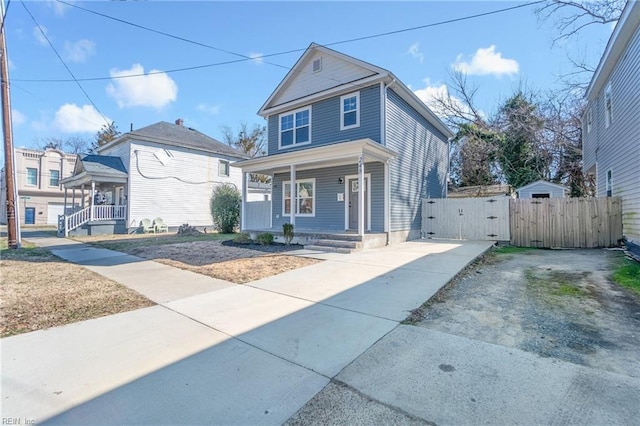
<point>352,244</point>
<point>329,249</point>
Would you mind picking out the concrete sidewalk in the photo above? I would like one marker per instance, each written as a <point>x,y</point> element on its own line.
<point>212,351</point>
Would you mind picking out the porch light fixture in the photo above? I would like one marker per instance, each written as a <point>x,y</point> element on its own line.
<point>340,180</point>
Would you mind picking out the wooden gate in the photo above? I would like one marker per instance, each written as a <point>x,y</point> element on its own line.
<point>566,222</point>
<point>466,218</point>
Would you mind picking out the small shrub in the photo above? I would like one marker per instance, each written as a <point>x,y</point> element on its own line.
<point>265,239</point>
<point>243,238</point>
<point>225,208</point>
<point>287,230</point>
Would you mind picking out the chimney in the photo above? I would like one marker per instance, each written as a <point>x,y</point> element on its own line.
<point>179,121</point>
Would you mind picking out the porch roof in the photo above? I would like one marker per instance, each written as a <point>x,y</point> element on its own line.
<point>97,168</point>
<point>336,154</point>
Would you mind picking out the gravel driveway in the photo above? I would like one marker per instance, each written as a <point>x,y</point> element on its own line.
<point>555,303</point>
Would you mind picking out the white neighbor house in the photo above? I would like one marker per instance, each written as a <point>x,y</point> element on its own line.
<point>163,170</point>
<point>542,189</point>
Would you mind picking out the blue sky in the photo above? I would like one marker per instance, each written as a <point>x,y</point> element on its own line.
<point>498,53</point>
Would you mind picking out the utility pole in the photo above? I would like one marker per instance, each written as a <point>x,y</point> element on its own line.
<point>13,231</point>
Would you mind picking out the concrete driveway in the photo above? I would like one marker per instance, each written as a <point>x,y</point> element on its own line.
<point>216,353</point>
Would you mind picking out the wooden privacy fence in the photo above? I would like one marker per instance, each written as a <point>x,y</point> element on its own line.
<point>566,222</point>
<point>466,218</point>
<point>538,222</point>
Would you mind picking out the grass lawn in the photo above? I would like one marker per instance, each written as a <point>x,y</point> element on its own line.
<point>40,290</point>
<point>128,242</point>
<point>627,274</point>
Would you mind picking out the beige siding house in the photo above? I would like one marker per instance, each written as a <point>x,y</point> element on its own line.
<point>165,171</point>
<point>40,194</point>
<point>611,122</point>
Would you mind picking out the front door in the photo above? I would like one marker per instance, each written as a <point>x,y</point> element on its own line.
<point>29,215</point>
<point>353,204</point>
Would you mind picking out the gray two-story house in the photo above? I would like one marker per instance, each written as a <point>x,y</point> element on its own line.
<point>611,121</point>
<point>351,151</point>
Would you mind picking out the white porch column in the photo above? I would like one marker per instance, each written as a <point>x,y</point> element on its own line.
<point>82,195</point>
<point>64,211</point>
<point>243,215</point>
<point>93,193</point>
<point>387,199</point>
<point>294,198</point>
<point>73,199</point>
<point>361,195</point>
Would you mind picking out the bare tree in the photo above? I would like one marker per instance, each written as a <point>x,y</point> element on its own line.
<point>457,106</point>
<point>569,17</point>
<point>250,141</point>
<point>72,144</point>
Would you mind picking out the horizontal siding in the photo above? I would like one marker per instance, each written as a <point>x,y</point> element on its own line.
<point>335,72</point>
<point>420,169</point>
<point>618,146</point>
<point>121,150</point>
<point>325,122</point>
<point>330,213</point>
<point>542,188</point>
<point>179,191</point>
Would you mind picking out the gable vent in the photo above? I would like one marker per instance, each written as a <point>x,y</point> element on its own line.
<point>317,65</point>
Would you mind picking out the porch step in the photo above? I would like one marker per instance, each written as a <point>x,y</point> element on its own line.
<point>338,243</point>
<point>329,249</point>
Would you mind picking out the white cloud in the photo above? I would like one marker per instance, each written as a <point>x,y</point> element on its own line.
<point>17,118</point>
<point>71,118</point>
<point>58,8</point>
<point>429,94</point>
<point>487,61</point>
<point>40,38</point>
<point>79,51</point>
<point>154,89</point>
<point>257,58</point>
<point>414,50</point>
<point>209,109</point>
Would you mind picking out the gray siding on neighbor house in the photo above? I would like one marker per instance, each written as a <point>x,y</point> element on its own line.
<point>330,213</point>
<point>617,147</point>
<point>420,170</point>
<point>325,122</point>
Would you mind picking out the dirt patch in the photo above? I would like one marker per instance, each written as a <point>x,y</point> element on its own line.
<point>40,290</point>
<point>224,260</point>
<point>556,303</point>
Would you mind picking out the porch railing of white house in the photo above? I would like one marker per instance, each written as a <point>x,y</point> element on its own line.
<point>79,218</point>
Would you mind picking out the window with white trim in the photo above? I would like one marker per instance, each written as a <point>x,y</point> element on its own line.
<point>608,106</point>
<point>306,197</point>
<point>223,168</point>
<point>54,177</point>
<point>609,183</point>
<point>32,176</point>
<point>350,111</point>
<point>295,128</point>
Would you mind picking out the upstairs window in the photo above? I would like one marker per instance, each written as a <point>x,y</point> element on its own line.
<point>350,111</point>
<point>223,168</point>
<point>609,183</point>
<point>589,120</point>
<point>608,106</point>
<point>54,177</point>
<point>32,176</point>
<point>295,128</point>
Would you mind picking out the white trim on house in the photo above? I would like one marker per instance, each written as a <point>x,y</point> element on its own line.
<point>294,128</point>
<point>343,112</point>
<point>367,176</point>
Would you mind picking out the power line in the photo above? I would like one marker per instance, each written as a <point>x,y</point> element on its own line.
<point>4,16</point>
<point>63,62</point>
<point>245,58</point>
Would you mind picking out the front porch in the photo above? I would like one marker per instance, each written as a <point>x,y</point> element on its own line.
<point>331,194</point>
<point>326,240</point>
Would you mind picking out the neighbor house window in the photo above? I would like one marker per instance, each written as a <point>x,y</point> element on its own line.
<point>54,177</point>
<point>32,176</point>
<point>306,197</point>
<point>223,168</point>
<point>608,106</point>
<point>609,183</point>
<point>295,128</point>
<point>350,111</point>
